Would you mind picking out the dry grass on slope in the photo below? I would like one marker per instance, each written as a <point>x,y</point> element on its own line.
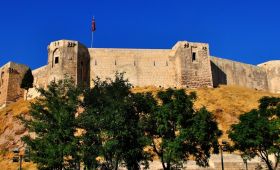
<point>226,102</point>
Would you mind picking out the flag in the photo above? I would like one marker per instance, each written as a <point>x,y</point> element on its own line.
<point>93,26</point>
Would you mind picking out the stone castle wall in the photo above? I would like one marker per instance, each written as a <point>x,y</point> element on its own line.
<point>41,76</point>
<point>11,75</point>
<point>141,67</point>
<point>41,80</point>
<point>62,60</point>
<point>65,59</point>
<point>186,65</point>
<point>272,69</point>
<point>235,73</point>
<point>68,58</point>
<point>159,67</point>
<point>193,64</point>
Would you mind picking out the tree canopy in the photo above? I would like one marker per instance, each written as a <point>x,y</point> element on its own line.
<point>27,80</point>
<point>112,115</point>
<point>258,132</point>
<point>52,121</point>
<point>177,131</point>
<point>109,126</point>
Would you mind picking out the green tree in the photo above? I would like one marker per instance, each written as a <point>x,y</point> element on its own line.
<point>114,113</point>
<point>177,131</point>
<point>27,81</point>
<point>258,132</point>
<point>52,122</point>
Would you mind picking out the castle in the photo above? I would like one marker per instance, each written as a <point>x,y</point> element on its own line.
<point>186,65</point>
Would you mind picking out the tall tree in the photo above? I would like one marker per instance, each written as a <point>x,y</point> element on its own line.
<point>27,81</point>
<point>177,131</point>
<point>114,112</point>
<point>52,121</point>
<point>258,132</point>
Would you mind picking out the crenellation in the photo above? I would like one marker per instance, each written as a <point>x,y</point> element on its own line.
<point>185,65</point>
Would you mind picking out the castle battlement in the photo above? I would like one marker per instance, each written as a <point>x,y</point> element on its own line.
<point>185,65</point>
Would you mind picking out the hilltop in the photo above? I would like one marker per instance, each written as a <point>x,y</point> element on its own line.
<point>226,102</point>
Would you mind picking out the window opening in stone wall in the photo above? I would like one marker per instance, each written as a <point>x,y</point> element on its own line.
<point>115,62</point>
<point>166,63</point>
<point>55,56</point>
<point>134,63</point>
<point>95,62</point>
<point>56,60</point>
<point>154,63</point>
<point>193,56</point>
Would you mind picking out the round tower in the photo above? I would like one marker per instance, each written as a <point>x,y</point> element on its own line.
<point>68,58</point>
<point>272,69</point>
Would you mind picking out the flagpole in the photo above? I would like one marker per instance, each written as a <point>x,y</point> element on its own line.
<point>91,39</point>
<point>92,30</point>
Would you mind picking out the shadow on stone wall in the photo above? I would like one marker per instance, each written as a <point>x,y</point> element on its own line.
<point>83,71</point>
<point>218,76</point>
<point>86,73</point>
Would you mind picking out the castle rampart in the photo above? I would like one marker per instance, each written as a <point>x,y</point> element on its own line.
<point>141,67</point>
<point>235,73</point>
<point>186,64</point>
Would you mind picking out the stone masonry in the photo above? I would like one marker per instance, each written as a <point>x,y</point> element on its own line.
<point>11,75</point>
<point>186,65</point>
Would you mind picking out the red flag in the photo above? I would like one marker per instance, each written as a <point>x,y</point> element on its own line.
<point>93,26</point>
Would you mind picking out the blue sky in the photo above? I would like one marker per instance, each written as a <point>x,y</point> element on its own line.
<point>241,30</point>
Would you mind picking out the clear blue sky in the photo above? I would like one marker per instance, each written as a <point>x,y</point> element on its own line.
<point>241,30</point>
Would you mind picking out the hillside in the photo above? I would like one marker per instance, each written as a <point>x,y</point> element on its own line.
<point>10,133</point>
<point>226,102</point>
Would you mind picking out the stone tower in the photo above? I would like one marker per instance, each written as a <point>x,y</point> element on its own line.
<point>193,64</point>
<point>11,75</point>
<point>69,58</point>
<point>272,69</point>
